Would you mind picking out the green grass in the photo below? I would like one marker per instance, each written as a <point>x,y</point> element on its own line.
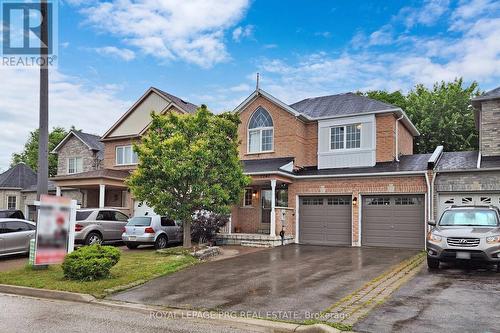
<point>134,267</point>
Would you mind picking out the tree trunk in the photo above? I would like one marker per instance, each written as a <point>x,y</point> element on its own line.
<point>187,233</point>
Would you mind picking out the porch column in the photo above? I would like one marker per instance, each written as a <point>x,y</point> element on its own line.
<point>58,191</point>
<point>273,204</point>
<point>102,192</point>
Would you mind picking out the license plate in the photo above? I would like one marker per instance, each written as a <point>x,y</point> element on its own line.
<point>131,238</point>
<point>463,255</point>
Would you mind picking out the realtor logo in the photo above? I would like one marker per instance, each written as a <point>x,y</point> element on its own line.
<point>21,26</point>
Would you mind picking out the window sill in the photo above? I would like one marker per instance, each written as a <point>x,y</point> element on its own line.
<point>246,207</point>
<point>126,165</point>
<point>260,153</point>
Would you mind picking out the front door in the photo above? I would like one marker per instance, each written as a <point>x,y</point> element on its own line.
<point>266,206</point>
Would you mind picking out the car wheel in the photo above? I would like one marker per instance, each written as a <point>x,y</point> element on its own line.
<point>161,242</point>
<point>432,263</point>
<point>93,238</point>
<point>132,246</point>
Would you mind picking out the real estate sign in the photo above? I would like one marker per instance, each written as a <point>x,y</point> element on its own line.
<point>55,229</point>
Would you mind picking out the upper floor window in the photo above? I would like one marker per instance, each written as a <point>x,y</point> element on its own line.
<point>75,165</point>
<point>260,132</point>
<point>345,137</point>
<point>125,155</point>
<point>11,202</point>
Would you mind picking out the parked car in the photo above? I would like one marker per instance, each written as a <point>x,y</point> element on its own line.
<point>97,225</point>
<point>469,233</point>
<point>11,214</point>
<point>15,236</point>
<point>151,230</point>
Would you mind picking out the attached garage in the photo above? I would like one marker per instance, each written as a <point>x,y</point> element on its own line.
<point>325,220</point>
<point>466,199</point>
<point>393,221</point>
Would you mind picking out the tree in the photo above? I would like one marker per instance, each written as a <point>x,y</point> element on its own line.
<point>29,155</point>
<point>443,116</point>
<point>396,98</point>
<point>189,163</point>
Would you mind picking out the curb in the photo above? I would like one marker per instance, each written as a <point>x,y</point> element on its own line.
<point>45,293</point>
<point>317,328</point>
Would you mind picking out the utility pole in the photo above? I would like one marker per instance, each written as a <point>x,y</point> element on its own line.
<point>43,136</point>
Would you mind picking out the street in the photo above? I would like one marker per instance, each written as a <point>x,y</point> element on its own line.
<point>26,314</point>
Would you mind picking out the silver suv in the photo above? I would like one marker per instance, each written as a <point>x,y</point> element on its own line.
<point>152,230</point>
<point>469,233</point>
<point>97,225</point>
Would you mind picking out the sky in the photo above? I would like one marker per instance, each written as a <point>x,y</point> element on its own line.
<point>209,51</point>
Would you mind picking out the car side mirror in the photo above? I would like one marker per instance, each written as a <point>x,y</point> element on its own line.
<point>432,223</point>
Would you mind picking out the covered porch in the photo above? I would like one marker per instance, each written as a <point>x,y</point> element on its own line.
<point>262,215</point>
<point>100,189</point>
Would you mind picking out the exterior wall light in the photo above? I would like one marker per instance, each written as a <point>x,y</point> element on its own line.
<point>254,194</point>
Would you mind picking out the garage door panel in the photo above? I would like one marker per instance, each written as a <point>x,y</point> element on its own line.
<point>328,223</point>
<point>393,220</point>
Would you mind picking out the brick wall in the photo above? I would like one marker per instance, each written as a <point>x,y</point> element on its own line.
<point>386,131</point>
<point>292,137</point>
<point>490,128</point>
<point>405,140</point>
<point>76,148</point>
<point>247,219</point>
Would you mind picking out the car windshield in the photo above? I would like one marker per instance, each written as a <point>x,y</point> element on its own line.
<point>468,217</point>
<point>139,221</point>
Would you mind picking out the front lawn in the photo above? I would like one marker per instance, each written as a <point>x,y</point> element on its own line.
<point>134,267</point>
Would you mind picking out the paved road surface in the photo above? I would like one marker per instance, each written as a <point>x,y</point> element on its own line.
<point>25,315</point>
<point>452,299</point>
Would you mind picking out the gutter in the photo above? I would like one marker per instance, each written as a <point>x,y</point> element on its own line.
<point>370,174</point>
<point>478,165</point>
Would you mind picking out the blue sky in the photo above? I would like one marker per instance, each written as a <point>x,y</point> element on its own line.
<point>208,51</point>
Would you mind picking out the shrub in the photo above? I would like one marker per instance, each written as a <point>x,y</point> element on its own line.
<point>206,224</point>
<point>90,262</point>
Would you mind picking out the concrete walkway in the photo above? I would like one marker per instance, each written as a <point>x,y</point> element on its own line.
<point>288,283</point>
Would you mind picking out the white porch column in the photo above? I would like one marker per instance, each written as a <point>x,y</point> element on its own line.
<point>273,205</point>
<point>58,191</point>
<point>230,224</point>
<point>102,192</point>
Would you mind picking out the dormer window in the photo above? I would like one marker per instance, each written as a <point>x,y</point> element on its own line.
<point>260,132</point>
<point>345,137</point>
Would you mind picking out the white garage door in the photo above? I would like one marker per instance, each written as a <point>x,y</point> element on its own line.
<point>463,199</point>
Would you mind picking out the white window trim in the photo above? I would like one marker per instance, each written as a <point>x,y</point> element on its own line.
<point>15,201</point>
<point>244,197</point>
<point>116,155</point>
<point>260,130</point>
<point>76,165</point>
<point>345,138</point>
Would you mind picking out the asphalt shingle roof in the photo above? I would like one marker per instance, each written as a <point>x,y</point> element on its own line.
<point>265,165</point>
<point>417,162</point>
<point>186,106</point>
<point>19,176</point>
<point>338,105</point>
<point>458,160</point>
<point>93,141</point>
<point>492,94</point>
<point>101,173</point>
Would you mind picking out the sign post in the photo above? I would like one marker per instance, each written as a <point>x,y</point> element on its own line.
<point>55,229</point>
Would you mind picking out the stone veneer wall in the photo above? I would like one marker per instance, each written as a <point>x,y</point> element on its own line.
<point>490,128</point>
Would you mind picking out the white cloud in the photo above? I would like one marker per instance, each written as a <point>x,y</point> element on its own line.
<point>192,31</point>
<point>325,34</point>
<point>242,32</point>
<point>72,101</point>
<point>122,53</point>
<point>428,14</point>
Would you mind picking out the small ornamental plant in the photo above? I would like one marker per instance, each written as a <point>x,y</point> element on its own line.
<point>90,263</point>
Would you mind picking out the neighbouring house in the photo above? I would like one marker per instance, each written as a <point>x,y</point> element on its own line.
<point>472,177</point>
<point>98,166</point>
<point>331,170</point>
<point>12,183</point>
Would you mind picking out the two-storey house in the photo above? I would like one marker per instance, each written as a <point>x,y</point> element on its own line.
<point>331,170</point>
<point>98,166</point>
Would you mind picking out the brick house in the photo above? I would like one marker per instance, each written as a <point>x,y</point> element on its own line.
<point>98,166</point>
<point>332,170</point>
<point>472,177</point>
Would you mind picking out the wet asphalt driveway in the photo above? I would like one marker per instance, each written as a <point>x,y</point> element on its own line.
<point>295,278</point>
<point>452,299</point>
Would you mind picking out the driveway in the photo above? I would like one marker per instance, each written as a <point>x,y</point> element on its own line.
<point>8,263</point>
<point>294,278</point>
<point>453,299</point>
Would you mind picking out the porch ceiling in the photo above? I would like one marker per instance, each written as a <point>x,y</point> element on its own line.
<point>266,179</point>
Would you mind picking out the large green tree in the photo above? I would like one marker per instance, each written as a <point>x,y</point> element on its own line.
<point>189,163</point>
<point>442,114</point>
<point>29,155</point>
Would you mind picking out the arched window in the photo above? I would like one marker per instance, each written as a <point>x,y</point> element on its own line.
<point>260,132</point>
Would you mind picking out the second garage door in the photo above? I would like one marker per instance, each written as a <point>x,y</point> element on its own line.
<point>325,220</point>
<point>393,221</point>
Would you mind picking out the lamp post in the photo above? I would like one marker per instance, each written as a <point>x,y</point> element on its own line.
<point>43,135</point>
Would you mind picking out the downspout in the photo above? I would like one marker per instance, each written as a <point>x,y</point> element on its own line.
<point>428,204</point>
<point>397,136</point>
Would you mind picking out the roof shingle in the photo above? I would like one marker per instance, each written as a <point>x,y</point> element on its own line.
<point>19,176</point>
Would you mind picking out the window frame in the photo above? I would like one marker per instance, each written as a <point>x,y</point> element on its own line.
<point>123,155</point>
<point>75,166</point>
<point>260,131</point>
<point>244,203</point>
<point>344,141</point>
<point>9,203</point>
